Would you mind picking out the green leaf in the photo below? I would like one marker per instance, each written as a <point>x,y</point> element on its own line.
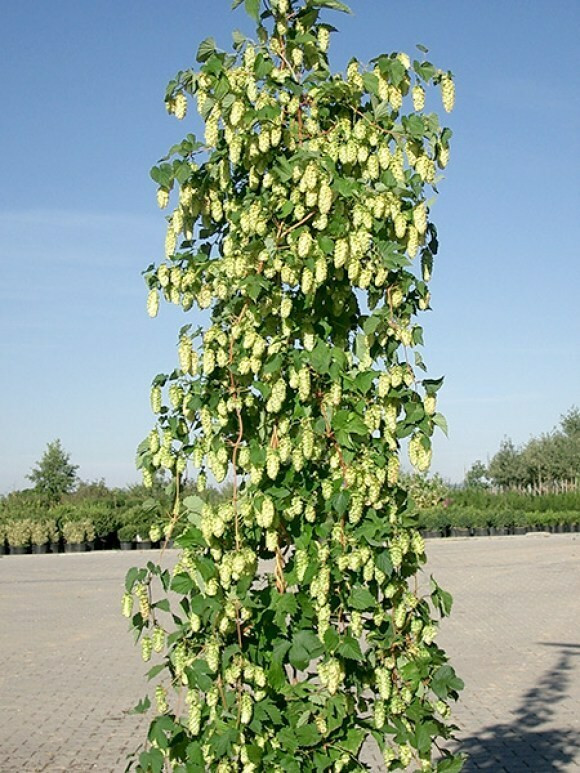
<point>193,503</point>
<point>222,742</point>
<point>446,681</point>
<point>305,647</point>
<point>239,38</point>
<point>151,761</point>
<point>371,324</point>
<point>450,765</point>
<point>382,109</point>
<point>253,9</point>
<point>284,604</point>
<point>206,48</point>
<point>371,83</point>
<point>441,422</point>
<point>152,673</point>
<point>331,639</point>
<point>182,583</point>
<point>422,739</point>
<point>361,598</point>
<point>288,739</point>
<point>320,357</point>
<point>276,676</point>
<point>363,382</point>
<point>195,759</point>
<point>130,578</point>
<point>307,735</point>
<point>341,501</point>
<point>384,563</point>
<point>143,706</point>
<point>335,5</point>
<point>350,648</point>
<point>353,741</point>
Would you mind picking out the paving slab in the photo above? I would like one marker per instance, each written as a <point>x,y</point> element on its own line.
<point>71,672</point>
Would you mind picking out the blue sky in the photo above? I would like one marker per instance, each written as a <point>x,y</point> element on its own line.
<point>81,88</point>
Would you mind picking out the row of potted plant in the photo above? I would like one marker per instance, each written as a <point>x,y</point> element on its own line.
<point>470,521</point>
<point>30,536</point>
<point>25,535</point>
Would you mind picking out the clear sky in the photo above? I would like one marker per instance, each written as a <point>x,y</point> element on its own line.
<point>83,120</point>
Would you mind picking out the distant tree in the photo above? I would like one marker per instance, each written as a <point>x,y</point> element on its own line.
<point>477,475</point>
<point>54,474</point>
<point>570,423</point>
<point>508,467</point>
<point>568,443</point>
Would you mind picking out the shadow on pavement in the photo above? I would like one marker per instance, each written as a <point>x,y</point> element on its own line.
<point>522,745</point>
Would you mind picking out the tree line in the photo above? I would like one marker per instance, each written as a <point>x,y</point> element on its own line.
<point>542,463</point>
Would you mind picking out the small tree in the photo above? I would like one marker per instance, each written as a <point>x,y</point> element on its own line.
<point>477,475</point>
<point>54,474</point>
<point>508,466</point>
<point>300,629</point>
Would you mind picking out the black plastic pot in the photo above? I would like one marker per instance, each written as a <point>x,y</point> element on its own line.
<point>430,533</point>
<point>144,544</point>
<point>520,529</point>
<point>74,547</point>
<point>19,550</point>
<point>458,531</point>
<point>480,531</point>
<point>498,531</point>
<point>39,549</point>
<point>54,547</point>
<point>2,549</point>
<point>127,545</point>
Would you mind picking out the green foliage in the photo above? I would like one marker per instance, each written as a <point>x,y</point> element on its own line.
<point>553,456</point>
<point>40,532</point>
<point>54,474</point>
<point>472,517</point>
<point>127,533</point>
<point>75,532</point>
<point>426,492</point>
<point>476,476</point>
<point>302,224</point>
<point>18,533</point>
<point>513,500</point>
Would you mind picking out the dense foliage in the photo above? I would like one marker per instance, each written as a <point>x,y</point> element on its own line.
<point>55,475</point>
<point>553,457</point>
<point>298,223</point>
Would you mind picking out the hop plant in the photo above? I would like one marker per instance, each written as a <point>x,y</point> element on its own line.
<point>296,222</point>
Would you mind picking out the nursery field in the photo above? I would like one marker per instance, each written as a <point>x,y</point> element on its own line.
<point>71,671</point>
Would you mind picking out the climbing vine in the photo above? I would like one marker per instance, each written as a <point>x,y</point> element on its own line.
<point>293,626</point>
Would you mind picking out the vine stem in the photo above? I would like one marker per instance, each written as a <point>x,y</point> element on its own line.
<point>305,219</point>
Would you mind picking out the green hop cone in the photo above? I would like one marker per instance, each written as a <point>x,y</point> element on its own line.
<point>127,605</point>
<point>158,638</point>
<point>447,93</point>
<point>161,699</point>
<point>146,648</point>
